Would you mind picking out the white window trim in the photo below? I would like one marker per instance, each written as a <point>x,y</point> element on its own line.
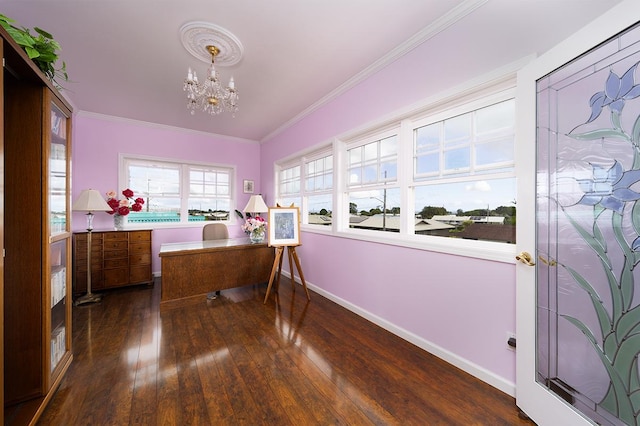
<point>122,182</point>
<point>494,87</point>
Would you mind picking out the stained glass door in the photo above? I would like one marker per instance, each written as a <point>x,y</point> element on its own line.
<point>579,296</point>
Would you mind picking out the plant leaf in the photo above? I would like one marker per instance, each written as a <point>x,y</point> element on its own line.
<point>599,134</point>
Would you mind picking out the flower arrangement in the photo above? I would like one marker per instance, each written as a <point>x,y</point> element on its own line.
<point>254,225</point>
<point>126,205</point>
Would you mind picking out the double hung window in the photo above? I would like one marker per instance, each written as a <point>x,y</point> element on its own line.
<point>178,192</point>
<point>307,182</point>
<point>463,174</point>
<point>446,171</point>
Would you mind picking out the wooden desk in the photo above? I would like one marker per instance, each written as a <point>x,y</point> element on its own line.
<point>193,269</point>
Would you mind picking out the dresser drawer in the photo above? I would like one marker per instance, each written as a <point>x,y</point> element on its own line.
<point>140,248</point>
<point>116,277</point>
<point>116,263</point>
<point>116,254</point>
<point>140,274</point>
<point>115,236</point>
<point>118,259</point>
<point>136,236</point>
<point>140,259</point>
<point>115,245</point>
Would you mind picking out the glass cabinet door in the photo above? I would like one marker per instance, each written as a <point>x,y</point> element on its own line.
<point>58,181</point>
<point>58,325</point>
<point>58,295</point>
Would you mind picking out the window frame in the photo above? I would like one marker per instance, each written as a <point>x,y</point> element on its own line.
<point>466,98</point>
<point>303,195</point>
<point>184,189</point>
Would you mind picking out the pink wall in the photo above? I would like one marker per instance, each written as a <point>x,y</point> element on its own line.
<point>462,305</point>
<point>97,142</point>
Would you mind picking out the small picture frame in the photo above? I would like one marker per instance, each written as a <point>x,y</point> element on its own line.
<point>284,226</point>
<point>247,186</point>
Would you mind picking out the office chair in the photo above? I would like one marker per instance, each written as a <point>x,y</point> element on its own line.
<point>215,231</point>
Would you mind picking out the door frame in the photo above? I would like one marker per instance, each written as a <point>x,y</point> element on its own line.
<point>535,400</point>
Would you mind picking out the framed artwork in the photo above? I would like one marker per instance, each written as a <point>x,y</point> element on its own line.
<point>284,226</point>
<point>247,186</point>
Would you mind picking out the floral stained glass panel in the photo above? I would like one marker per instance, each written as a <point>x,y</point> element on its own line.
<point>588,232</point>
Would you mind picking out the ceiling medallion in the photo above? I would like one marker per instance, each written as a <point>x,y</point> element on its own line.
<point>196,36</point>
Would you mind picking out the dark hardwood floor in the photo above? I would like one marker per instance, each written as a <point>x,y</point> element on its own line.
<point>233,361</point>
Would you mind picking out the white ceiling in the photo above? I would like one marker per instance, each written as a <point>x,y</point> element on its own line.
<point>125,58</point>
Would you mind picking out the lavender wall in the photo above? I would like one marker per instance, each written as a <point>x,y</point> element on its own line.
<point>97,142</point>
<point>457,307</point>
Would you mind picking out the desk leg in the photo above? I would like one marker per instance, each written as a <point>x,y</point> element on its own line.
<point>277,261</point>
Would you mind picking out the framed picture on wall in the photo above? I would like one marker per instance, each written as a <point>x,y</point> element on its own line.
<point>284,226</point>
<point>247,186</point>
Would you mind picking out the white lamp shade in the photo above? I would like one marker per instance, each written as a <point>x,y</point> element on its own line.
<point>90,200</point>
<point>256,205</point>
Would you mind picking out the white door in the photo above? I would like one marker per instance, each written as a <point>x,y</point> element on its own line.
<point>578,157</point>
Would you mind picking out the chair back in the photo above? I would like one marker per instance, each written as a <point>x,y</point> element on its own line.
<point>215,231</point>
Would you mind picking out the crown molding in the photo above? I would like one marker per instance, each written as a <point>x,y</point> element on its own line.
<point>436,27</point>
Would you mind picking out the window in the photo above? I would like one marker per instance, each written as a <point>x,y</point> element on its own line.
<point>319,190</point>
<point>441,178</point>
<point>178,192</point>
<point>373,162</point>
<point>463,180</point>
<point>289,186</point>
<point>373,192</point>
<point>315,196</point>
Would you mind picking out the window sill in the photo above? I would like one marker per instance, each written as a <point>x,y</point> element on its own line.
<point>485,250</point>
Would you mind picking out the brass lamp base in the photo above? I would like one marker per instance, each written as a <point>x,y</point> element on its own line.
<point>88,298</point>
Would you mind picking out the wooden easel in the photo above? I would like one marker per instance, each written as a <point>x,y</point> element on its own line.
<point>277,265</point>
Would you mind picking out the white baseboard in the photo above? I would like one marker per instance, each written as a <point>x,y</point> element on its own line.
<point>464,364</point>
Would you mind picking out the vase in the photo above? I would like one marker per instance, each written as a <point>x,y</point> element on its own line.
<point>257,236</point>
<point>119,222</point>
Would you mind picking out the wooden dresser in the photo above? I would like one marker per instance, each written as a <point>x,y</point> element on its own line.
<point>118,259</point>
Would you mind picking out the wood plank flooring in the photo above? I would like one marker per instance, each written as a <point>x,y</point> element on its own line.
<point>235,361</point>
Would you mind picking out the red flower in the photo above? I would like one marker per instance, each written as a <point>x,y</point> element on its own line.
<point>113,203</point>
<point>123,210</point>
<point>125,206</point>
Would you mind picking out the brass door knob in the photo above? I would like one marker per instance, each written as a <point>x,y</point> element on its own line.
<point>525,258</point>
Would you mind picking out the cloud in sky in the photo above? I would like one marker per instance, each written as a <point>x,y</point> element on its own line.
<point>480,186</point>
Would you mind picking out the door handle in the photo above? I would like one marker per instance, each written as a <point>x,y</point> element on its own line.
<point>525,258</point>
<point>549,262</point>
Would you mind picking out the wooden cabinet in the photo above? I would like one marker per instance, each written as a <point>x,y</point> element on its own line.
<point>36,237</point>
<point>118,258</point>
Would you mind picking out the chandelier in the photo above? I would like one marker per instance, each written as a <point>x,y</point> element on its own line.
<point>210,96</point>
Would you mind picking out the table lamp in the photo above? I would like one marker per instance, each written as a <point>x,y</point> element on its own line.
<point>256,205</point>
<point>90,200</point>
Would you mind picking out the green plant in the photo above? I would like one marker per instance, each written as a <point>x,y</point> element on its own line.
<point>41,49</point>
